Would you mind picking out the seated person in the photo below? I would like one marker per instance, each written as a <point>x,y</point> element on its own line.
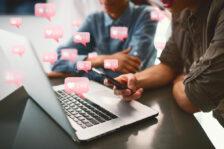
<point>137,52</point>
<point>193,59</point>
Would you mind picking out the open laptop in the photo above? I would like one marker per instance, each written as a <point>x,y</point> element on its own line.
<point>99,113</point>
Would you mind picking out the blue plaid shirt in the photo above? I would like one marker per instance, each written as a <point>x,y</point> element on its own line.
<point>141,32</point>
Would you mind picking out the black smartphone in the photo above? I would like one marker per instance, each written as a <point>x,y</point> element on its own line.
<point>112,80</point>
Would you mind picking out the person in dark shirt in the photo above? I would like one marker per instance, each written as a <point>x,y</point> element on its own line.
<point>193,59</point>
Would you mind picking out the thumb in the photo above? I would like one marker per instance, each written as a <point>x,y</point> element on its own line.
<point>131,81</point>
<point>126,51</point>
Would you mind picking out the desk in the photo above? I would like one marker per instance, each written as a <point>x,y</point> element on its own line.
<point>172,129</point>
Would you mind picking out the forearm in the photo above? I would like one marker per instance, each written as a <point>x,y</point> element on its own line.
<point>155,76</point>
<point>180,96</point>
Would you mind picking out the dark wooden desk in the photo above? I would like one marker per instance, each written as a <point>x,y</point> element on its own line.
<point>23,125</point>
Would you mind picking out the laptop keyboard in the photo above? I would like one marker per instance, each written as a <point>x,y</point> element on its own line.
<point>84,112</point>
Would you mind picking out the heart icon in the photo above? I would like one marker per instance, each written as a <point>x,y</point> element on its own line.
<point>49,32</point>
<point>78,37</point>
<point>16,49</point>
<point>14,21</point>
<point>71,85</point>
<point>41,10</point>
<point>65,54</point>
<point>9,77</point>
<point>115,32</point>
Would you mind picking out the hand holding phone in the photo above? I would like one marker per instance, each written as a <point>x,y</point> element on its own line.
<point>112,80</point>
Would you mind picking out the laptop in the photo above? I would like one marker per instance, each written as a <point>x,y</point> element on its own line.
<point>99,113</point>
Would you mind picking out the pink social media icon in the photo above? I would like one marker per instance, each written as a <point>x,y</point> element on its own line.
<point>16,22</point>
<point>69,54</point>
<point>53,32</point>
<point>50,57</point>
<point>157,15</point>
<point>92,55</point>
<point>77,23</point>
<point>14,77</point>
<point>119,33</point>
<point>46,10</point>
<point>84,65</point>
<point>159,45</point>
<point>111,64</point>
<point>77,85</point>
<point>82,37</point>
<point>18,50</point>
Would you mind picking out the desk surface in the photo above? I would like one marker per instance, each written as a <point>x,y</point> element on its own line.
<point>173,128</point>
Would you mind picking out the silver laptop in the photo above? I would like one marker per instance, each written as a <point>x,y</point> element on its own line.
<point>99,113</point>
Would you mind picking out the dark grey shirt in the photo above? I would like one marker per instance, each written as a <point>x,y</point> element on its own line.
<point>196,47</point>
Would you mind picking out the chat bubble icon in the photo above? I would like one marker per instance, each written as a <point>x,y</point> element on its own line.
<point>160,45</point>
<point>82,37</point>
<point>50,57</point>
<point>14,77</point>
<point>77,85</point>
<point>16,22</point>
<point>111,64</point>
<point>157,15</point>
<point>46,10</point>
<point>69,54</point>
<point>53,32</point>
<point>119,33</point>
<point>92,55</point>
<point>18,50</point>
<point>84,66</point>
<point>77,23</point>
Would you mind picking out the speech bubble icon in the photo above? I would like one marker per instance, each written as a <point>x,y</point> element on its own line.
<point>77,85</point>
<point>119,33</point>
<point>50,57</point>
<point>14,77</point>
<point>92,55</point>
<point>46,10</point>
<point>111,64</point>
<point>69,54</point>
<point>53,32</point>
<point>84,65</point>
<point>82,37</point>
<point>18,49</point>
<point>16,22</point>
<point>160,45</point>
<point>77,23</point>
<point>157,15</point>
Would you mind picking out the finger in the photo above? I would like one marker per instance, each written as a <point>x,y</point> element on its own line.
<point>108,82</point>
<point>134,96</point>
<point>131,81</point>
<point>135,59</point>
<point>126,51</point>
<point>122,92</point>
<point>131,68</point>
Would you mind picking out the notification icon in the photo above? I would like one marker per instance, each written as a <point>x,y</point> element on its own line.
<point>53,32</point>
<point>82,37</point>
<point>119,33</point>
<point>50,57</point>
<point>77,85</point>
<point>84,65</point>
<point>16,22</point>
<point>14,77</point>
<point>111,64</point>
<point>18,50</point>
<point>92,55</point>
<point>69,54</point>
<point>46,10</point>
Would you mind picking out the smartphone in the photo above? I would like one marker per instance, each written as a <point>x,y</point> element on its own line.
<point>112,80</point>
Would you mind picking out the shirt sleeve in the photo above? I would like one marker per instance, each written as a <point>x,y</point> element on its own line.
<point>205,81</point>
<point>142,39</point>
<point>67,66</point>
<point>171,55</point>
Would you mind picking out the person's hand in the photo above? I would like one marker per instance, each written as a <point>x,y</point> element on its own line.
<point>55,74</point>
<point>130,81</point>
<point>126,63</point>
